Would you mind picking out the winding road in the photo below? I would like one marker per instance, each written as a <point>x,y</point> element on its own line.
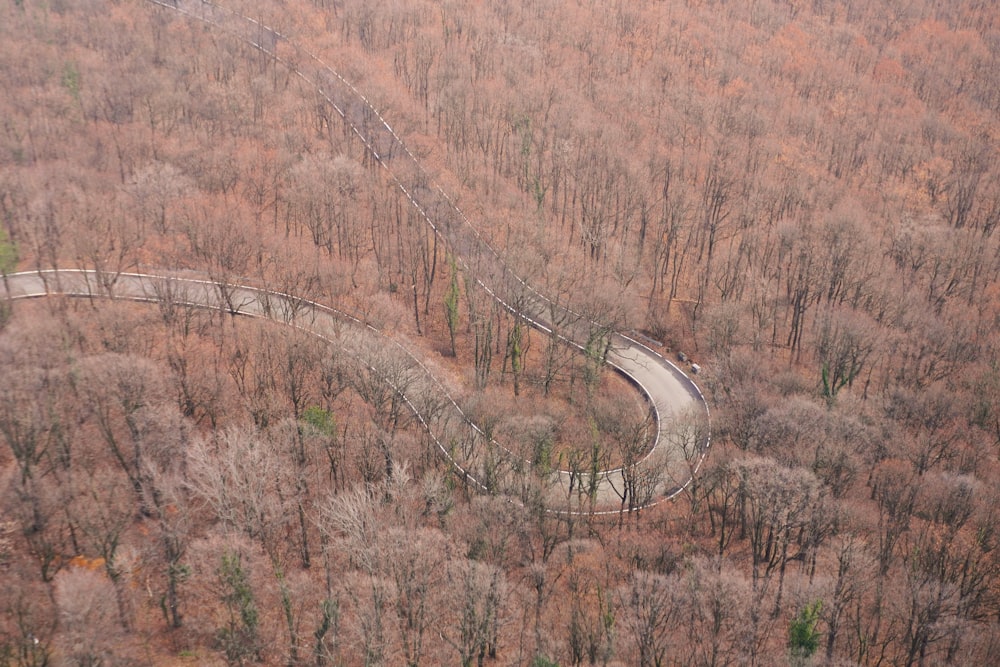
<point>681,426</point>
<point>674,454</point>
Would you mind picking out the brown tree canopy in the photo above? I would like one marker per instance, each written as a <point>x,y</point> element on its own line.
<point>802,198</point>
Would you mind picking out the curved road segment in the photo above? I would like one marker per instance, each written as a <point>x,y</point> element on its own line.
<point>680,426</point>
<point>681,417</point>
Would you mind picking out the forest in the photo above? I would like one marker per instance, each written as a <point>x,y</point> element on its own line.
<point>801,197</point>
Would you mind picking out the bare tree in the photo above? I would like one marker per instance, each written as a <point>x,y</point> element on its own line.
<point>28,622</point>
<point>156,189</point>
<point>90,630</point>
<point>631,433</point>
<point>101,510</point>
<point>243,479</point>
<point>713,608</point>
<point>414,560</point>
<point>845,344</point>
<point>128,403</point>
<point>850,583</point>
<point>479,593</point>
<point>649,606</point>
<point>240,476</point>
<point>777,504</point>
<point>593,616</point>
<point>107,239</point>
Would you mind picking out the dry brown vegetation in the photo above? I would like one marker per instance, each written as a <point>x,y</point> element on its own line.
<point>804,196</point>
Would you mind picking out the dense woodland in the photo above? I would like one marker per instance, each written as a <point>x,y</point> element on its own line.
<point>801,196</point>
